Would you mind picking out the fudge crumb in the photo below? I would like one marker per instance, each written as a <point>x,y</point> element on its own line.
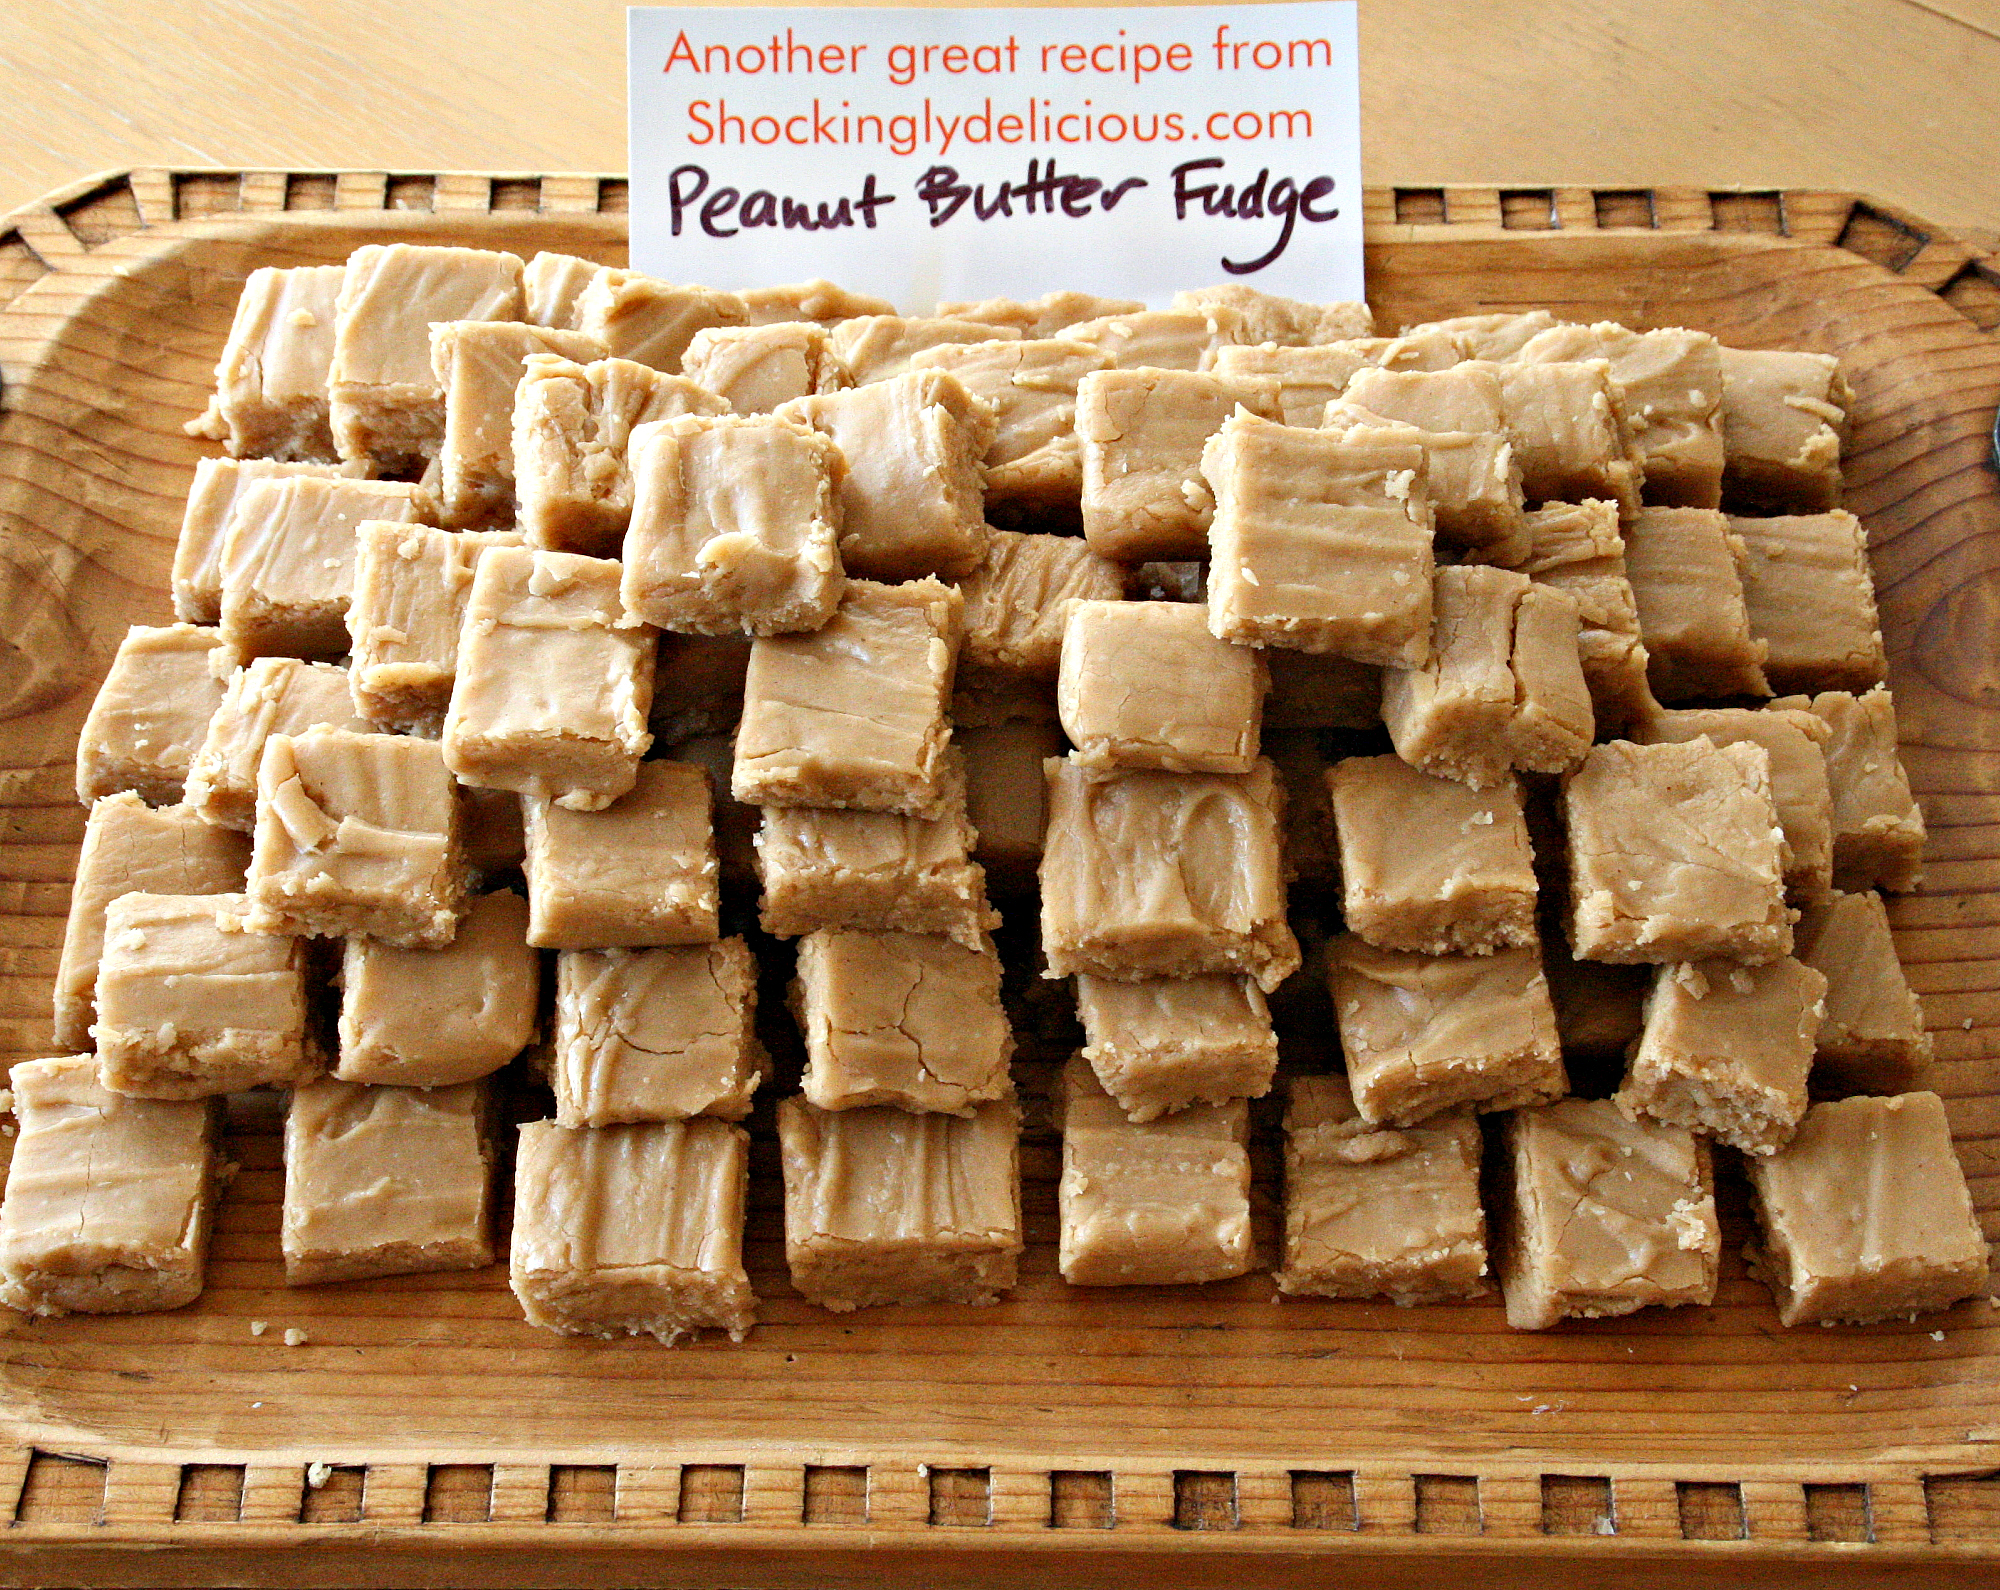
<point>259,1326</point>
<point>317,1474</point>
<point>294,1337</point>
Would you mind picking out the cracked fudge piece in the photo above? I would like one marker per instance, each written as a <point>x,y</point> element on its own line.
<point>479,364</point>
<point>386,1181</point>
<point>1308,378</point>
<point>1375,1213</point>
<point>1033,458</point>
<point>1811,601</point>
<point>1570,433</point>
<point>1872,1038</point>
<point>885,1207</point>
<point>1878,832</point>
<point>755,368</point>
<point>411,586</point>
<point>1161,1045</point>
<point>550,286</point>
<point>1267,318</point>
<point>271,383</point>
<point>817,299</point>
<point>1685,565</point>
<point>649,321</point>
<point>109,1198</point>
<point>1018,600</point>
<point>274,695</point>
<point>880,347</point>
<point>1160,339</point>
<point>632,1230</point>
<point>1784,421</point>
<point>219,484</point>
<point>1577,549</point>
<point>1494,336</point>
<point>638,872</point>
<point>1865,1214</point>
<point>1047,316</point>
<point>1007,798</point>
<point>1144,685</point>
<point>150,715</point>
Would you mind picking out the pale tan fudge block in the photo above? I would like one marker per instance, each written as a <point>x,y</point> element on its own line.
<point>1007,798</point>
<point>907,1019</point>
<point>853,715</point>
<point>1165,875</point>
<point>1554,717</point>
<point>1872,1038</point>
<point>1163,1203</point>
<point>1047,316</point>
<point>755,368</point>
<point>880,347</point>
<point>411,586</point>
<point>638,872</point>
<point>432,1018</point>
<point>1429,864</point>
<point>288,565</point>
<point>875,872</point>
<point>1375,1213</point>
<point>1726,1050</point>
<point>1142,433</point>
<point>356,833</point>
<point>698,686</point>
<point>1784,422</point>
<point>1018,600</point>
<point>150,715</point>
<point>1571,437</point>
<point>386,1181</point>
<point>913,499</point>
<point>274,695</point>
<point>1308,378</point>
<point>886,1207</point>
<point>1878,832</point>
<point>656,1035</point>
<point>1811,601</point>
<point>550,286</point>
<point>1409,350</point>
<point>1608,1216</point>
<point>649,321</point>
<point>818,300</point>
<point>218,486</point>
<point>1452,715</point>
<point>1316,691</point>
<point>1267,318</point>
<point>1685,565</point>
<point>735,526</point>
<point>632,1230</point>
<point>271,383</point>
<point>479,364</point>
<point>1322,542</point>
<point>109,1198</point>
<point>554,680</point>
<point>572,426</point>
<point>130,847</point>
<point>1674,854</point>
<point>1577,548</point>
<point>1033,458</point>
<point>1144,685</point>
<point>1161,339</point>
<point>1492,336</point>
<point>1161,1045</point>
<point>186,1010</point>
<point>1791,738</point>
<point>1865,1214</point>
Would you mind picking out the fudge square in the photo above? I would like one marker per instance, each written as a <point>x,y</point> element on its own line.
<point>478,364</point>
<point>1018,600</point>
<point>386,1181</point>
<point>1878,832</point>
<point>907,1019</point>
<point>1033,458</point>
<point>1429,864</point>
<point>411,586</point>
<point>631,1230</point>
<point>1784,419</point>
<point>1685,565</point>
<point>641,871</point>
<point>186,1009</point>
<point>1811,600</point>
<point>554,680</point>
<point>219,484</point>
<point>1308,378</point>
<point>735,526</point>
<point>1169,1042</point>
<point>655,1035</point>
<point>1570,433</point>
<point>1321,540</point>
<point>649,321</point>
<point>1578,549</point>
<point>880,347</point>
<point>1374,1213</point>
<point>1872,1039</point>
<point>150,715</point>
<point>1675,854</point>
<point>885,1207</point>
<point>1266,317</point>
<point>551,285</point>
<point>1046,316</point>
<point>757,367</point>
<point>433,1018</point>
<point>1726,1050</point>
<point>1865,1214</point>
<point>854,714</point>
<point>1608,1216</point>
<point>1165,875</point>
<point>274,695</point>
<point>109,1198</point>
<point>271,382</point>
<point>1145,685</point>
<point>356,833</point>
<point>1426,1033</point>
<point>816,300</point>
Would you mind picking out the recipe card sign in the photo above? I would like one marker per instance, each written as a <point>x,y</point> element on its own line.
<point>921,154</point>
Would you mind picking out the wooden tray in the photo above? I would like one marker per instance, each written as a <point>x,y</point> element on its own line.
<point>1067,1436</point>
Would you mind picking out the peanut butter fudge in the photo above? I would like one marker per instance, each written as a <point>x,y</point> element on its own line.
<point>271,383</point>
<point>1430,864</point>
<point>912,500</point>
<point>853,715</point>
<point>1811,601</point>
<point>572,426</point>
<point>1377,1213</point>
<point>1267,318</point>
<point>130,847</point>
<point>755,368</point>
<point>1784,420</point>
<point>1872,1038</point>
<point>1165,875</point>
<point>880,347</point>
<point>649,321</point>
<point>818,299</point>
<point>886,1207</point>
<point>274,695</point>
<point>1142,433</point>
<point>1675,854</point>
<point>1865,1214</point>
<point>411,586</point>
<point>386,1181</point>
<point>433,1018</point>
<point>1161,339</point>
<point>1608,1216</point>
<point>109,1198</point>
<point>150,715</point>
<point>632,1230</point>
<point>1322,541</point>
<point>735,526</point>
<point>478,364</point>
<point>698,686</point>
<point>1308,378</point>
<point>1316,691</point>
<point>1007,798</point>
<point>1685,565</point>
<point>1570,433</point>
<point>907,1019</point>
<point>550,286</point>
<point>1166,1043</point>
<point>356,833</point>
<point>1878,832</point>
<point>553,681</point>
<point>218,485</point>
<point>1032,459</point>
<point>640,871</point>
<point>1577,549</point>
<point>1046,316</point>
<point>1018,600</point>
<point>1144,685</point>
<point>655,1035</point>
<point>1489,336</point>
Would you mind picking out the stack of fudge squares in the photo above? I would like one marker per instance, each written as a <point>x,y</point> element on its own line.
<point>563,654</point>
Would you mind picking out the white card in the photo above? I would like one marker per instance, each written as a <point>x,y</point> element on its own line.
<point>932,153</point>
